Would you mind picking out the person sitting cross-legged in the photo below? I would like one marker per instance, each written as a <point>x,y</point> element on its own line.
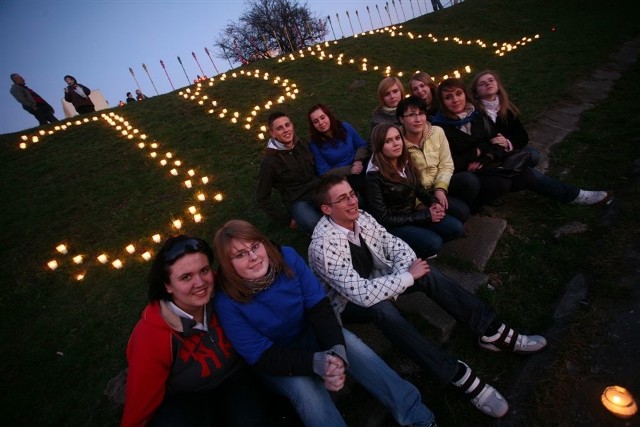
<point>365,268</point>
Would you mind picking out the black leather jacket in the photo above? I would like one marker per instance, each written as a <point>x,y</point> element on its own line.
<point>393,204</point>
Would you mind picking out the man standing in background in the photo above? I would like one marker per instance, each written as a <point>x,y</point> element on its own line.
<point>31,101</point>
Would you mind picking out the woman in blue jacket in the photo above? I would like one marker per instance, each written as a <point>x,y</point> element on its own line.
<point>277,316</point>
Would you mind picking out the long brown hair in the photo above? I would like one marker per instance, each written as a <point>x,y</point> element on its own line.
<point>388,172</point>
<point>228,279</point>
<point>503,96</point>
<point>336,129</point>
<point>448,85</point>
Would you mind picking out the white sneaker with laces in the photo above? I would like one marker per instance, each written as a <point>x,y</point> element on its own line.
<point>507,339</point>
<point>483,396</point>
<point>587,198</point>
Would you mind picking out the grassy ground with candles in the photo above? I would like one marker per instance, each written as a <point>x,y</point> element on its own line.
<point>99,188</point>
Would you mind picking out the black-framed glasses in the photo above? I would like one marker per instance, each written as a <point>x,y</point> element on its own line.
<point>344,198</point>
<point>414,115</point>
<point>181,248</point>
<point>244,255</point>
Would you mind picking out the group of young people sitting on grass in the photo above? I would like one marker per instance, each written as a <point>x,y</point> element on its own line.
<point>210,347</point>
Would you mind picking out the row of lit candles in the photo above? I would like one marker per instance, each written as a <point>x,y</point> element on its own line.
<point>24,139</point>
<point>131,249</point>
<point>125,129</point>
<point>290,91</point>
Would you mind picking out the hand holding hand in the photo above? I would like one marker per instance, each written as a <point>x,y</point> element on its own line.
<point>334,376</point>
<point>437,212</point>
<point>441,195</point>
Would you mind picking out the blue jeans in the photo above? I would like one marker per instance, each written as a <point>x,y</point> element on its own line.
<point>312,400</point>
<point>462,305</point>
<point>427,240</point>
<point>306,215</point>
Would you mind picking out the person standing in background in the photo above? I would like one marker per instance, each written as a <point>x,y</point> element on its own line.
<point>31,101</point>
<point>78,95</point>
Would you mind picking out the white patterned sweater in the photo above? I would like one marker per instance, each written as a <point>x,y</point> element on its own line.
<point>330,260</point>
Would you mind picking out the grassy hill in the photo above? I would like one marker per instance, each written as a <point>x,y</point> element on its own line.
<point>95,190</point>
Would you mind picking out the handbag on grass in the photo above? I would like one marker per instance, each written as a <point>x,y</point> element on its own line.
<point>513,164</point>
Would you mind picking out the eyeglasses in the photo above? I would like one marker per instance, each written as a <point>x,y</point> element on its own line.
<point>181,248</point>
<point>244,255</point>
<point>344,198</point>
<point>414,115</point>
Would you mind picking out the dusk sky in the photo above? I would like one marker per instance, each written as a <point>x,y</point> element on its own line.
<point>97,41</point>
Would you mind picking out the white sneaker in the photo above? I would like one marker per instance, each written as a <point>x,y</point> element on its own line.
<point>507,339</point>
<point>587,198</point>
<point>484,397</point>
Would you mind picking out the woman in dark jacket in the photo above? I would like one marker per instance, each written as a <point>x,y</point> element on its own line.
<point>478,147</point>
<point>393,189</point>
<point>78,95</point>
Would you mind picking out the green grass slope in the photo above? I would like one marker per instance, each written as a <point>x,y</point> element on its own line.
<point>96,190</point>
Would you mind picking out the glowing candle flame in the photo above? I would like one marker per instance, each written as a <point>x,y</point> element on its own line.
<point>62,249</point>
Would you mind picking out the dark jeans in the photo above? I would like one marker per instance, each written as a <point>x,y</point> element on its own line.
<point>240,401</point>
<point>464,186</point>
<point>462,305</point>
<point>84,109</point>
<point>44,114</point>
<point>494,186</point>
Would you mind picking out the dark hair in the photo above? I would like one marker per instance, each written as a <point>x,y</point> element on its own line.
<point>128,93</point>
<point>326,183</point>
<point>12,76</point>
<point>228,279</point>
<point>70,77</point>
<point>412,101</point>
<point>448,85</point>
<point>161,266</point>
<point>275,116</point>
<point>337,131</point>
<point>388,172</point>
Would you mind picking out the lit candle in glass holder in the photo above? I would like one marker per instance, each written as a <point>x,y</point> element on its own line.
<point>177,224</point>
<point>218,197</point>
<point>205,179</point>
<point>77,259</point>
<point>53,264</point>
<point>197,217</point>
<point>174,172</point>
<point>192,210</point>
<point>202,197</point>
<point>163,162</point>
<point>79,276</point>
<point>146,256</point>
<point>102,258</point>
<point>62,249</point>
<point>117,264</point>
<point>619,401</point>
<point>187,183</point>
<point>130,248</point>
<point>191,172</point>
<point>156,238</point>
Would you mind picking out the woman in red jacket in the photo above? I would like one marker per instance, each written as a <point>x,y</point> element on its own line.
<point>182,369</point>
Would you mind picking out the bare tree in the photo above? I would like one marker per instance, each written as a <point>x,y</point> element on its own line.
<point>269,28</point>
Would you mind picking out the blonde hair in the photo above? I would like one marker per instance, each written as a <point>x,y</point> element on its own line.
<point>386,84</point>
